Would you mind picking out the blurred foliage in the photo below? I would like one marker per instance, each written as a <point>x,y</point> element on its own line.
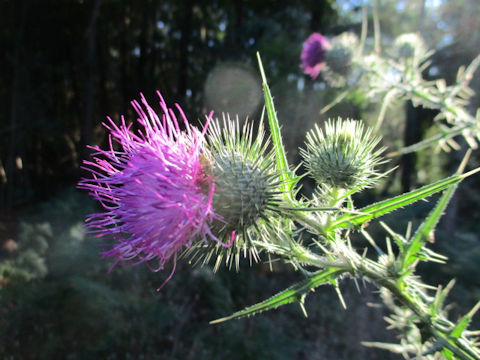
<point>57,93</point>
<point>76,310</point>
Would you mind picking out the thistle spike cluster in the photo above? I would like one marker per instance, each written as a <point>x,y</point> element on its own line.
<point>343,156</point>
<point>216,192</point>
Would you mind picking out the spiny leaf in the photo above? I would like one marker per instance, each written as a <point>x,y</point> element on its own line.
<point>464,321</point>
<point>457,351</point>
<point>447,354</point>
<point>440,297</point>
<point>383,207</point>
<point>431,141</point>
<point>425,229</point>
<point>288,178</point>
<point>399,240</point>
<point>287,296</point>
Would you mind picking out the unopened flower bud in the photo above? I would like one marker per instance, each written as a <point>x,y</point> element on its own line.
<point>342,156</point>
<point>409,46</point>
<point>339,58</point>
<point>246,188</point>
<point>242,191</point>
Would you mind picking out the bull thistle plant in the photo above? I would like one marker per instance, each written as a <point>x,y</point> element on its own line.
<point>396,75</point>
<point>217,194</point>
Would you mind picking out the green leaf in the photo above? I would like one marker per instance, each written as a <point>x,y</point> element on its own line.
<point>425,229</point>
<point>410,255</point>
<point>288,177</point>
<point>383,207</point>
<point>447,354</point>
<point>453,350</point>
<point>440,297</point>
<point>464,321</point>
<point>294,293</point>
<point>431,141</point>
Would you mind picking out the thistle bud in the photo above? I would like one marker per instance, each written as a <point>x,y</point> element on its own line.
<point>339,58</point>
<point>408,46</point>
<point>343,156</point>
<point>241,195</point>
<point>242,170</point>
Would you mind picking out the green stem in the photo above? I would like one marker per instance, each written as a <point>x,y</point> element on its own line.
<point>303,217</point>
<point>427,142</point>
<point>303,256</point>
<point>358,266</point>
<point>435,102</point>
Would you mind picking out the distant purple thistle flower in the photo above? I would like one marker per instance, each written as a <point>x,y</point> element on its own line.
<point>313,54</point>
<point>156,197</point>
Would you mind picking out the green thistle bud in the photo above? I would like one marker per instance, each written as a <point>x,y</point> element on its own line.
<point>409,46</point>
<point>339,59</point>
<point>246,189</point>
<point>343,156</point>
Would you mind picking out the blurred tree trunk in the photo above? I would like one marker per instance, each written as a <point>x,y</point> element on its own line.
<point>14,122</point>
<point>186,32</point>
<point>413,130</point>
<point>125,56</point>
<point>102,70</point>
<point>151,65</point>
<point>411,136</point>
<point>18,68</point>
<point>143,45</point>
<point>90,79</point>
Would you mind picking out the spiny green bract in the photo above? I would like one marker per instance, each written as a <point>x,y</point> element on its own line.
<point>246,190</point>
<point>242,191</point>
<point>343,156</point>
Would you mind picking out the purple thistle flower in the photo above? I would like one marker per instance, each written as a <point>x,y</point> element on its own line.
<point>313,54</point>
<point>157,199</point>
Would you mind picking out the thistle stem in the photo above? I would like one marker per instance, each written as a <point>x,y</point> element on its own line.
<point>306,220</point>
<point>435,102</point>
<point>359,266</point>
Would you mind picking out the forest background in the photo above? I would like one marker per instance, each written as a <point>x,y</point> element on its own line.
<point>66,65</point>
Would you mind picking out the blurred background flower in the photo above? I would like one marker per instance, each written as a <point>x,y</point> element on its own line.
<point>313,54</point>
